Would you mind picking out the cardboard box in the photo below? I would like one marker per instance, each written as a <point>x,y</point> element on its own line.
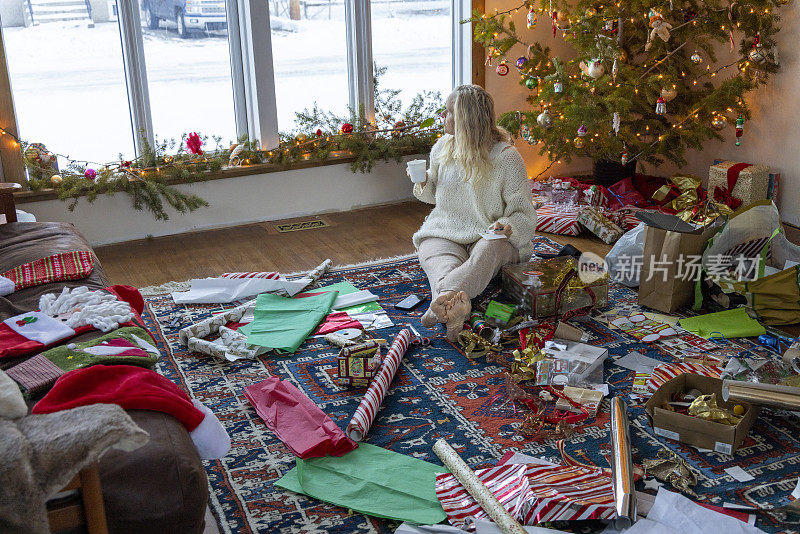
<point>692,430</point>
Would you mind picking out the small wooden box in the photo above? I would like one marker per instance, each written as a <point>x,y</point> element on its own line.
<point>358,364</point>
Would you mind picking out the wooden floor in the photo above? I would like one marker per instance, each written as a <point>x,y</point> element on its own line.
<point>352,237</point>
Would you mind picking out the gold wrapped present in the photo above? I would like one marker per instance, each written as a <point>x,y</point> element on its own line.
<point>738,184</point>
<point>600,225</point>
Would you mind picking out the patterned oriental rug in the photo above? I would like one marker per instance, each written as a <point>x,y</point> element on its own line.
<point>438,393</point>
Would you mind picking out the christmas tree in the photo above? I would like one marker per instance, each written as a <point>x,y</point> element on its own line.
<point>647,80</point>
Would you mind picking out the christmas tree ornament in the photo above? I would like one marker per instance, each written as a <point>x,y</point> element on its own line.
<point>56,179</point>
<point>594,69</point>
<point>544,120</point>
<point>562,21</point>
<point>669,94</point>
<point>578,141</point>
<point>757,55</point>
<point>623,158</point>
<point>521,61</point>
<point>582,130</point>
<point>558,87</point>
<point>590,12</point>
<point>502,69</point>
<point>622,55</point>
<point>319,132</point>
<point>615,122</point>
<point>610,27</point>
<point>90,174</point>
<point>660,28</point>
<point>527,135</point>
<point>739,130</point>
<point>661,106</point>
<point>531,20</point>
<point>301,138</point>
<point>530,83</point>
<point>168,159</point>
<point>696,57</point>
<point>719,122</point>
<point>346,128</point>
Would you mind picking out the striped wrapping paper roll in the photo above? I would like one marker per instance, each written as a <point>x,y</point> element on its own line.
<point>473,487</point>
<point>664,373</point>
<point>265,275</point>
<point>362,419</point>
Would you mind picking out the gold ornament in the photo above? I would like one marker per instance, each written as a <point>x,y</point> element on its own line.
<point>578,142</point>
<point>669,94</point>
<point>56,179</point>
<point>301,138</point>
<point>622,55</point>
<point>719,122</point>
<point>696,57</point>
<point>562,21</point>
<point>590,12</point>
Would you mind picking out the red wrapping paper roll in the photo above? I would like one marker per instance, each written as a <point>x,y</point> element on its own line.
<point>362,419</point>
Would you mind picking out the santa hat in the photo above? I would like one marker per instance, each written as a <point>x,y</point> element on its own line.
<point>136,388</point>
<point>55,268</point>
<point>65,315</point>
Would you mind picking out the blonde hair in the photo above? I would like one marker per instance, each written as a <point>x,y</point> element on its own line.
<point>475,132</point>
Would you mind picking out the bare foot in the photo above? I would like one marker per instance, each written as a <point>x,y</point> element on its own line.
<point>438,309</point>
<point>458,309</point>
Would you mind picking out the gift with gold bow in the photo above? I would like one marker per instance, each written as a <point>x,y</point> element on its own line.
<point>690,201</point>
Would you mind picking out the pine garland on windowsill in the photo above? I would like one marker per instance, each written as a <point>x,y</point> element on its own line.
<point>149,179</point>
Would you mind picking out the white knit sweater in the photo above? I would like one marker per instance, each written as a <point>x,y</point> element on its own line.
<point>463,212</point>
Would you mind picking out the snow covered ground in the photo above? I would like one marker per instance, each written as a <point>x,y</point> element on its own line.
<point>69,83</point>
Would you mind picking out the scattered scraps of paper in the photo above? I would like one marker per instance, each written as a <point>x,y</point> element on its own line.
<point>638,362</point>
<point>739,474</point>
<point>796,492</point>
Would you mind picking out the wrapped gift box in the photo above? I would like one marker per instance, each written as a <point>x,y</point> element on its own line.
<point>600,225</point>
<point>750,183</point>
<point>533,285</point>
<point>558,219</point>
<point>358,364</point>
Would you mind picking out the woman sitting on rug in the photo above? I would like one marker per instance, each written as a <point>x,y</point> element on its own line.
<point>477,181</point>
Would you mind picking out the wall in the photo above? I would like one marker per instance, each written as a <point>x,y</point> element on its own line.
<point>771,137</point>
<point>233,201</point>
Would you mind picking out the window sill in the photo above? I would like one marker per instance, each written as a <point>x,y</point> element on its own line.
<point>23,197</point>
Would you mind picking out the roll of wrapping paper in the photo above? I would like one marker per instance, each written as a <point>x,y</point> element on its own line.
<point>772,396</point>
<point>622,464</point>
<point>479,326</point>
<point>476,488</point>
<point>362,419</point>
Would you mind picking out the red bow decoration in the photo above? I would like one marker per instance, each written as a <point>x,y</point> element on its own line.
<point>722,194</point>
<point>193,144</point>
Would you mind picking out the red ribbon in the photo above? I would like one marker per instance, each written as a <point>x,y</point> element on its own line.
<point>724,195</point>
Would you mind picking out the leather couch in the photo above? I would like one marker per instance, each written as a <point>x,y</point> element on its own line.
<point>161,487</point>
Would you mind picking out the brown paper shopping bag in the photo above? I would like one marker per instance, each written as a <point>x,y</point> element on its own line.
<point>670,263</point>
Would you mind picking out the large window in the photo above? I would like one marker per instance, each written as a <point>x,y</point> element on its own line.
<point>92,76</point>
<point>412,40</point>
<point>188,67</point>
<point>69,88</point>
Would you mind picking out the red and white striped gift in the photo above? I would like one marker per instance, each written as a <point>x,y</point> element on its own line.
<point>561,220</point>
<point>266,275</point>
<point>664,373</point>
<point>506,482</point>
<point>532,493</point>
<point>362,419</point>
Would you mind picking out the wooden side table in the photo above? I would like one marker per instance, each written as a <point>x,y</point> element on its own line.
<point>90,511</point>
<point>7,209</point>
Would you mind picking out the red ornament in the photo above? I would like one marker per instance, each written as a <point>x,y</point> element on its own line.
<point>502,69</point>
<point>193,144</point>
<point>347,128</point>
<point>125,164</point>
<point>319,133</point>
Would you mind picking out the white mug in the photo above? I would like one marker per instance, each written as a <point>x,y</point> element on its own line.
<point>416,169</point>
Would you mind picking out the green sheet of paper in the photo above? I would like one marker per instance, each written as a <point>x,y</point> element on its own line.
<point>345,288</point>
<point>372,481</point>
<point>730,323</point>
<point>282,323</point>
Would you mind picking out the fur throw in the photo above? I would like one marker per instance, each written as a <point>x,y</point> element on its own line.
<point>40,454</point>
